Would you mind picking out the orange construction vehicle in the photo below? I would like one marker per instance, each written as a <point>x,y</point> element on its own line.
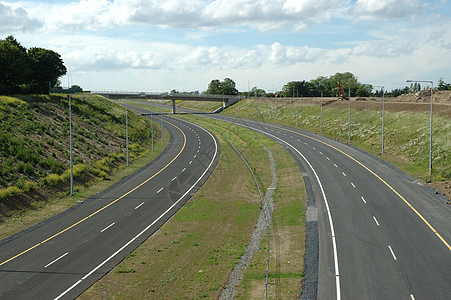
<point>341,92</point>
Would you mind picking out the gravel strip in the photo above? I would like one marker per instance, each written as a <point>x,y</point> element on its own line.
<point>257,235</point>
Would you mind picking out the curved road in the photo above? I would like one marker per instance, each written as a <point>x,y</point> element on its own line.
<point>63,256</point>
<point>382,234</point>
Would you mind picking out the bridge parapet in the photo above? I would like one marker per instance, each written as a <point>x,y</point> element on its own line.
<point>227,100</point>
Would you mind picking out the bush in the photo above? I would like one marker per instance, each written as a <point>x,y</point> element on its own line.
<point>11,191</point>
<point>25,168</point>
<point>25,185</point>
<point>53,179</point>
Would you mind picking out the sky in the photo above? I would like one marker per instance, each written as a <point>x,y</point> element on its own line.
<point>161,45</point>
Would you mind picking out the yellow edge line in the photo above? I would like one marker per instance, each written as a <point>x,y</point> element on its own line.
<point>109,204</point>
<point>378,177</point>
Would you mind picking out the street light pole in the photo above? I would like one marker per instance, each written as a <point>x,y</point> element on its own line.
<point>70,142</point>
<point>321,105</point>
<point>297,108</point>
<point>151,120</point>
<point>126,129</point>
<point>349,121</point>
<point>430,131</point>
<point>383,114</point>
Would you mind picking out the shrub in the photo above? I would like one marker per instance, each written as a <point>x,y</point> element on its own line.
<point>25,185</point>
<point>25,168</point>
<point>53,179</point>
<point>9,192</point>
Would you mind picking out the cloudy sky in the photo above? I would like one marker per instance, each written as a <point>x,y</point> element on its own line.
<point>160,45</point>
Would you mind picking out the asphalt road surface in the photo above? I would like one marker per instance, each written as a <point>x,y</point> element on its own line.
<point>382,234</point>
<point>62,257</point>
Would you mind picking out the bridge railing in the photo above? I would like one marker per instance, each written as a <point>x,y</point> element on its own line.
<point>162,95</point>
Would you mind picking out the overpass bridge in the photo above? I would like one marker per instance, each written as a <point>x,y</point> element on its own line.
<point>226,100</point>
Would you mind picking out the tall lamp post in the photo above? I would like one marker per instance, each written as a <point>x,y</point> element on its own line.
<point>126,129</point>
<point>321,104</point>
<point>383,113</point>
<point>70,142</point>
<point>430,131</point>
<point>349,113</point>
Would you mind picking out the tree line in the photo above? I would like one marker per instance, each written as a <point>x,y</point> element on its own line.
<point>327,86</point>
<point>28,71</point>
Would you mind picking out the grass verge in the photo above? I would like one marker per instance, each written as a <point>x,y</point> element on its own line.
<point>39,211</point>
<point>192,255</point>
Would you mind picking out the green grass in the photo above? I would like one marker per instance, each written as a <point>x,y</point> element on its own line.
<point>406,133</point>
<point>34,156</point>
<point>192,255</point>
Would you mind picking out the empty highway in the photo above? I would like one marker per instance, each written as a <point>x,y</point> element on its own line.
<point>63,256</point>
<point>382,234</point>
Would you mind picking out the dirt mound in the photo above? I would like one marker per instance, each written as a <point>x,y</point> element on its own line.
<point>425,96</point>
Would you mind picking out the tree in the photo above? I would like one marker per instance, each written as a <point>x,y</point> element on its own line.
<point>321,83</point>
<point>214,88</point>
<point>14,64</point>
<point>226,87</point>
<point>296,89</point>
<point>256,92</point>
<point>363,90</point>
<point>46,66</point>
<point>443,86</point>
<point>76,88</point>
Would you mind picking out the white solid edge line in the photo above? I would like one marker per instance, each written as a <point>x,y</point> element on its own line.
<point>334,243</point>
<point>149,226</point>
<point>54,261</point>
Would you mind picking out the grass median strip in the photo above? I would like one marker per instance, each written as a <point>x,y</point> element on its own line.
<point>193,254</point>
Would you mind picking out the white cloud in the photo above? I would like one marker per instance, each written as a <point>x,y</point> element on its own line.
<point>384,48</point>
<point>263,15</point>
<point>220,41</point>
<point>15,18</point>
<point>287,55</point>
<point>387,9</point>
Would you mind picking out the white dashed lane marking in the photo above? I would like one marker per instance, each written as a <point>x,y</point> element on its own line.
<point>54,261</point>
<point>107,227</point>
<point>375,220</point>
<point>392,253</point>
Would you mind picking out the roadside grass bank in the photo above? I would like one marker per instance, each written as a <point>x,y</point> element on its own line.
<point>36,133</point>
<point>406,133</point>
<point>406,130</point>
<point>193,254</point>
